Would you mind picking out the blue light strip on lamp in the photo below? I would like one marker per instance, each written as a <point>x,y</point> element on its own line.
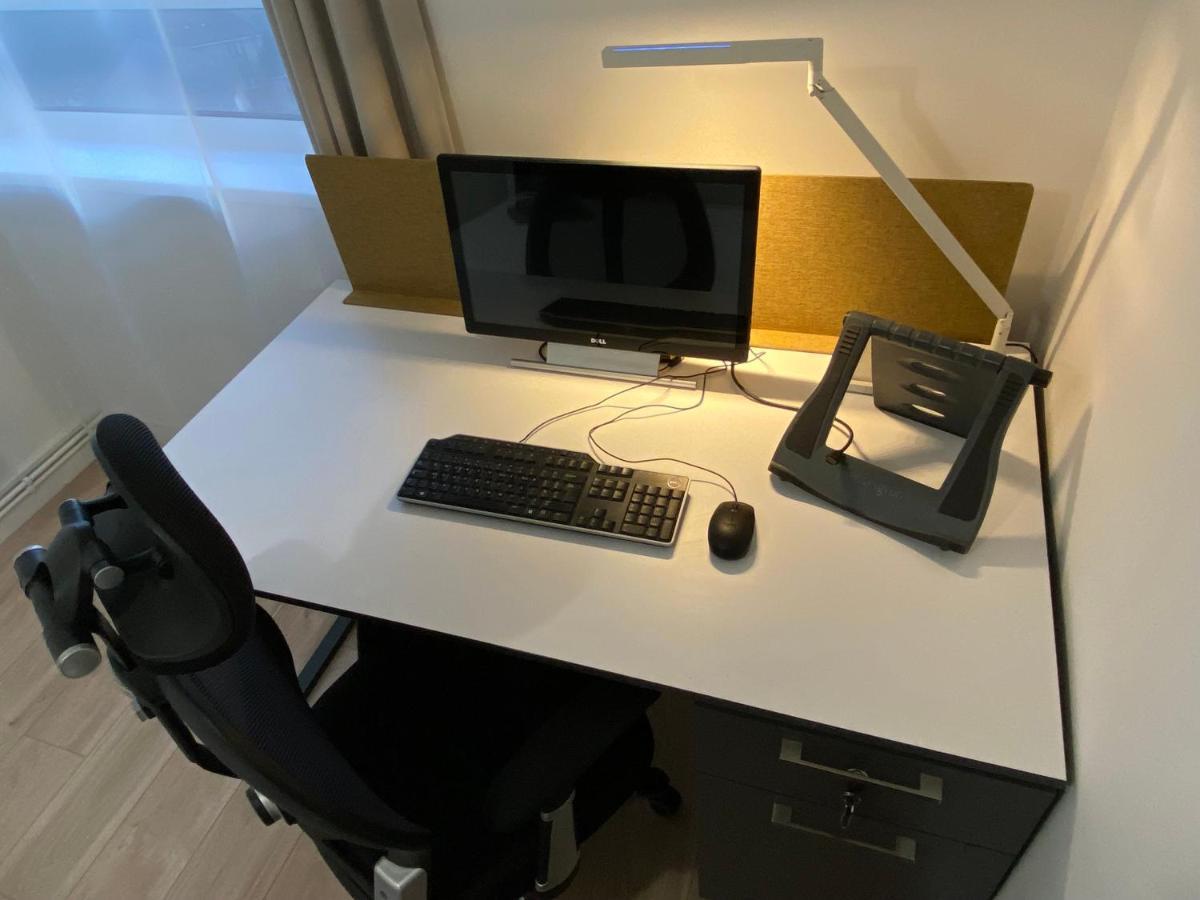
<point>646,47</point>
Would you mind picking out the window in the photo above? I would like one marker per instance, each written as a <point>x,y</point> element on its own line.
<point>229,63</point>
<point>121,61</point>
<point>125,61</point>
<point>160,97</point>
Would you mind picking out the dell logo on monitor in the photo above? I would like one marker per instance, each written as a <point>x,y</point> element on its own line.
<point>599,340</point>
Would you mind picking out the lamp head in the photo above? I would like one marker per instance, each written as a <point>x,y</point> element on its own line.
<point>719,53</point>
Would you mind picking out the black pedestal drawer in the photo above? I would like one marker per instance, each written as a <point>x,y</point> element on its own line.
<point>961,804</point>
<point>759,845</point>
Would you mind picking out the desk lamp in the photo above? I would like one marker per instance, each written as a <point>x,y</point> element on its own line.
<point>811,51</point>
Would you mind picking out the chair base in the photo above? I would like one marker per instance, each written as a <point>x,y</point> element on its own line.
<point>658,791</point>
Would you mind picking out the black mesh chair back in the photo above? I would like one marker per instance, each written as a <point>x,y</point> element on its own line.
<point>186,638</point>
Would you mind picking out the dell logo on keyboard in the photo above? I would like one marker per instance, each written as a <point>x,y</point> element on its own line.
<point>599,340</point>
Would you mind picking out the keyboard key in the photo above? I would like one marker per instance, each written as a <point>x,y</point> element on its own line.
<point>635,530</point>
<point>667,529</point>
<point>673,509</point>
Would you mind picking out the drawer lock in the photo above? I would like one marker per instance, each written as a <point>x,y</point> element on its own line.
<point>904,848</point>
<point>929,786</point>
<point>851,797</point>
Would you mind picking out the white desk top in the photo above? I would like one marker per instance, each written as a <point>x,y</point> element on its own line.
<point>827,619</point>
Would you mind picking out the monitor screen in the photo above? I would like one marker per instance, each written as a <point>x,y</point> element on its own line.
<point>627,257</point>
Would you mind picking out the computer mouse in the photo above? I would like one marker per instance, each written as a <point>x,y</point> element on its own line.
<point>730,529</point>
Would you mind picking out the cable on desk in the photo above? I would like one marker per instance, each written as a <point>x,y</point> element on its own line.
<point>833,457</point>
<point>840,424</point>
<point>599,404</point>
<point>596,405</point>
<point>595,445</point>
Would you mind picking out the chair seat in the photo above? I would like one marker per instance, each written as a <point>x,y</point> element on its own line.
<point>430,723</point>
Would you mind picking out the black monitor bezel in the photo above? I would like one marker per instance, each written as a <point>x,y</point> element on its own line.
<point>747,177</point>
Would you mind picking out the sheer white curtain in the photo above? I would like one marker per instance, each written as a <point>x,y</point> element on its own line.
<point>157,223</point>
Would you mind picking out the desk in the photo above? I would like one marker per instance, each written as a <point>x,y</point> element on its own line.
<point>829,621</point>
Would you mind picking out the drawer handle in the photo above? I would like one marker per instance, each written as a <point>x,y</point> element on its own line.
<point>791,751</point>
<point>905,847</point>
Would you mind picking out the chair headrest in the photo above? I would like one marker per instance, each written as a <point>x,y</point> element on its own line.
<point>196,607</point>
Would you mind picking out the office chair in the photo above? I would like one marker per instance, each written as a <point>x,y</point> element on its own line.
<point>432,768</point>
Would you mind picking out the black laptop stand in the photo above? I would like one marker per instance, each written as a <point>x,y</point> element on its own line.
<point>947,384</point>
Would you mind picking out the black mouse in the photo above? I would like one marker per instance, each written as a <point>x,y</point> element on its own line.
<point>730,529</point>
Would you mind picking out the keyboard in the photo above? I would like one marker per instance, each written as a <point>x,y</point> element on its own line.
<point>546,486</point>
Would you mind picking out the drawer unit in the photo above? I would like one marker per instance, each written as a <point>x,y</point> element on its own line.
<point>906,790</point>
<point>758,845</point>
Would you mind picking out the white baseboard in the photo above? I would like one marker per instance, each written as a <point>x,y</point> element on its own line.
<point>44,478</point>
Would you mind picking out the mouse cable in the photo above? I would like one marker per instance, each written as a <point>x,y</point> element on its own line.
<point>669,410</point>
<point>596,405</point>
<point>599,404</point>
<point>843,426</point>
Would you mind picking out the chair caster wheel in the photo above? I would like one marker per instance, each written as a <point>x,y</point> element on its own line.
<point>656,788</point>
<point>665,802</point>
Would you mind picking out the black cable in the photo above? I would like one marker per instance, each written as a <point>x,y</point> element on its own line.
<point>669,361</point>
<point>599,403</point>
<point>596,445</point>
<point>550,421</point>
<point>753,396</point>
<point>833,457</point>
<point>840,424</point>
<point>1027,348</point>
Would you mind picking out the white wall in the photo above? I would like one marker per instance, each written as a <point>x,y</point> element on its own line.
<point>1020,90</point>
<point>1124,431</point>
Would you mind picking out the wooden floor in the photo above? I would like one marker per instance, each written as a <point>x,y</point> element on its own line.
<point>95,804</point>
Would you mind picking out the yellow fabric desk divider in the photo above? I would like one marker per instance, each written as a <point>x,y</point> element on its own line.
<point>826,245</point>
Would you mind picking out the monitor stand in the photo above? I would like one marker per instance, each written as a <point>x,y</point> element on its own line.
<point>601,362</point>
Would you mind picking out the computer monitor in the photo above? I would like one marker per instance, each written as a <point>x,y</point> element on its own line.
<point>653,259</point>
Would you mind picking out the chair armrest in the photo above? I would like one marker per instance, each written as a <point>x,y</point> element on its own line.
<point>543,772</point>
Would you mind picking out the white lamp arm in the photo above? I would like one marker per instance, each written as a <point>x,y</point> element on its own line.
<point>917,207</point>
<point>811,51</point>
